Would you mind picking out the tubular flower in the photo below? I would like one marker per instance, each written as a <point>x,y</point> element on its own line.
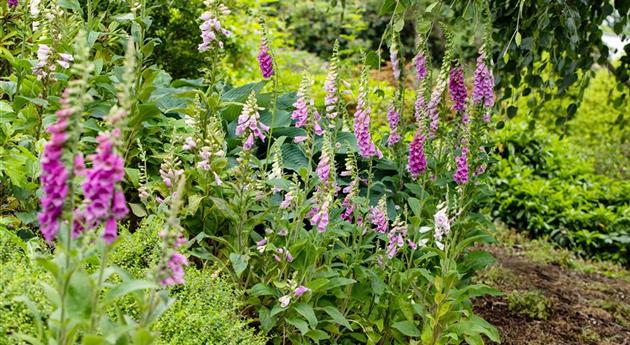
<point>362,122</point>
<point>457,88</point>
<point>264,60</point>
<point>461,173</point>
<point>211,29</point>
<point>171,267</point>
<point>442,224</point>
<point>43,54</point>
<point>105,202</point>
<point>378,216</point>
<point>249,123</point>
<point>169,171</point>
<point>331,85</point>
<point>302,110</point>
<point>393,56</point>
<point>396,237</point>
<point>174,270</point>
<point>417,162</point>
<point>65,60</point>
<point>319,215</point>
<point>54,177</point>
<point>393,117</point>
<point>483,84</point>
<point>421,66</point>
<point>326,162</point>
<point>300,290</point>
<point>432,107</point>
<point>12,3</point>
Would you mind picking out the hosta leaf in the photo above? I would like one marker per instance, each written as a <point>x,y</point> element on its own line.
<point>293,157</point>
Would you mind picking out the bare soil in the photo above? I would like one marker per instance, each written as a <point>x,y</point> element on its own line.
<point>585,308</point>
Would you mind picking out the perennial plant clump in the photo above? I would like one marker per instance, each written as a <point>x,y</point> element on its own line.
<point>332,231</point>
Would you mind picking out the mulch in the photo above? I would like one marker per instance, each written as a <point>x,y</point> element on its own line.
<point>584,306</point>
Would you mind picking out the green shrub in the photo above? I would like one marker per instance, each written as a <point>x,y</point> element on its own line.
<point>18,277</point>
<point>205,311</point>
<point>543,188</point>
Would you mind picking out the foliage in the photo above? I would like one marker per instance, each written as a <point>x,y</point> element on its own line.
<point>542,188</point>
<point>531,303</point>
<point>206,302</point>
<point>19,278</point>
<point>205,313</point>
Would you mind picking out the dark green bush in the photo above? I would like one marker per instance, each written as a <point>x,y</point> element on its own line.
<point>542,188</point>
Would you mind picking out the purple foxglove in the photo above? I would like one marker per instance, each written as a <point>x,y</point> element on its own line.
<point>378,216</point>
<point>421,66</point>
<point>461,172</point>
<point>54,176</point>
<point>483,84</point>
<point>417,162</point>
<point>265,61</point>
<point>249,123</point>
<point>393,118</point>
<point>457,88</point>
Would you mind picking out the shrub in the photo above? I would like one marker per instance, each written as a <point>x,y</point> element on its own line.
<point>543,188</point>
<point>206,313</point>
<point>18,277</point>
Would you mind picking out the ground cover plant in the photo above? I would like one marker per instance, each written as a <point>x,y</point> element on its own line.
<point>164,182</point>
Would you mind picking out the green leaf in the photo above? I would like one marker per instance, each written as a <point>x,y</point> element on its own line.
<point>317,335</point>
<point>407,328</point>
<point>518,39</point>
<point>337,316</point>
<point>223,206</point>
<point>126,288</point>
<point>261,289</point>
<point>307,311</point>
<point>399,24</point>
<point>298,323</point>
<point>339,281</point>
<point>239,263</point>
<point>71,5</point>
<point>430,8</point>
<point>415,206</point>
<point>293,157</point>
<point>137,209</point>
<point>78,300</point>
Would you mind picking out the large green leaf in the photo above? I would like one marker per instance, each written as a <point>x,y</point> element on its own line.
<point>307,311</point>
<point>407,328</point>
<point>337,316</point>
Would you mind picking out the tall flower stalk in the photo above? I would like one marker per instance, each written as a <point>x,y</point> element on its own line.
<point>362,119</point>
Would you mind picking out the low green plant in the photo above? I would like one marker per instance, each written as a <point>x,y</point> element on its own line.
<point>531,303</point>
